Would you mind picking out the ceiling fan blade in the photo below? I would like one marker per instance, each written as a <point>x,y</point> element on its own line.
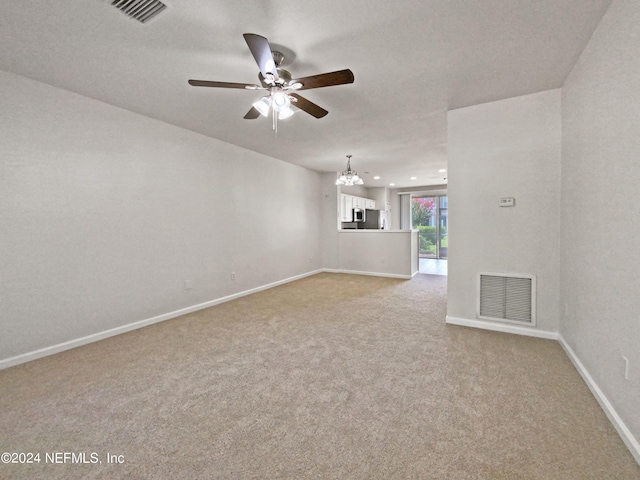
<point>207,83</point>
<point>251,114</point>
<point>261,52</point>
<point>325,79</point>
<point>309,107</point>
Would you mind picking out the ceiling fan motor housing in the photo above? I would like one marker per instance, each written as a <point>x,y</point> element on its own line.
<point>285,78</point>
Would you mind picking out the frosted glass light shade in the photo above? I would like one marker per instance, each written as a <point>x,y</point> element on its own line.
<point>280,101</point>
<point>263,105</point>
<point>286,113</point>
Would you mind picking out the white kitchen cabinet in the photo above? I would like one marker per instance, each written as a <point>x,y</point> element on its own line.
<point>349,202</point>
<point>346,205</point>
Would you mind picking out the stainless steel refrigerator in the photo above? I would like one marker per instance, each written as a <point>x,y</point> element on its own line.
<point>375,219</point>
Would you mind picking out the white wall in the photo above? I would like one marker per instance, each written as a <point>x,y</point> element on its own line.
<point>600,262</point>
<point>394,212</point>
<point>374,252</point>
<point>104,214</point>
<point>508,148</point>
<point>355,190</point>
<point>330,215</point>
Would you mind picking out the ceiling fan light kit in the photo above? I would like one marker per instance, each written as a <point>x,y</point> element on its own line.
<point>278,82</point>
<point>349,177</point>
<point>263,105</point>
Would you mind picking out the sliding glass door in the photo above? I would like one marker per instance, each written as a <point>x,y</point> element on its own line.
<point>443,218</point>
<point>429,216</point>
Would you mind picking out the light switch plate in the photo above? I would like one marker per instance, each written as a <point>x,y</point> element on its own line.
<point>507,202</point>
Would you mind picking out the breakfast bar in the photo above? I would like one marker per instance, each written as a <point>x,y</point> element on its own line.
<point>387,253</point>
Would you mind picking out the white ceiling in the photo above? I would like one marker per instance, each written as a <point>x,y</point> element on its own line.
<point>412,59</point>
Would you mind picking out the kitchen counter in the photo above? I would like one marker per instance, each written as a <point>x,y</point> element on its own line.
<point>387,253</point>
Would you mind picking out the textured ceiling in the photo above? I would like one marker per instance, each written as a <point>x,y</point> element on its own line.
<point>412,61</point>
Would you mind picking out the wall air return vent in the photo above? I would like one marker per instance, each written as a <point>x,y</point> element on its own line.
<point>507,298</point>
<point>141,10</point>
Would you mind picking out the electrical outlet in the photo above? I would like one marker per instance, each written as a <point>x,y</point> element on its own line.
<point>626,367</point>
<point>233,275</point>
<point>382,260</point>
<point>188,285</point>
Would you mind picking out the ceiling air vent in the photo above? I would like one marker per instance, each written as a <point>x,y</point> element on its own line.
<point>141,10</point>
<point>507,298</point>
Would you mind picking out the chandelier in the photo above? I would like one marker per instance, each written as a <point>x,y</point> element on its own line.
<point>349,177</point>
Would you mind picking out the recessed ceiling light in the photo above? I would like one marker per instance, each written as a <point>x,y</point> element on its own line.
<point>376,178</point>
<point>442,170</point>
<point>413,178</point>
<point>392,184</point>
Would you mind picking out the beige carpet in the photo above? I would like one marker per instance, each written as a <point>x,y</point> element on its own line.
<point>333,377</point>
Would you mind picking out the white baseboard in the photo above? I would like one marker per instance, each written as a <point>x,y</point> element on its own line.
<point>332,270</point>
<point>61,347</point>
<point>499,327</point>
<point>627,437</point>
<point>372,274</point>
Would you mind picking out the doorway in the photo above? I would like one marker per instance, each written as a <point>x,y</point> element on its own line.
<point>429,215</point>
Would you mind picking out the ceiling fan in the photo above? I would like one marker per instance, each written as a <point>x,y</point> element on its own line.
<point>279,84</point>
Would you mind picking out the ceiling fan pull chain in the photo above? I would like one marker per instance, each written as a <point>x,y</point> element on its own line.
<point>275,121</point>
